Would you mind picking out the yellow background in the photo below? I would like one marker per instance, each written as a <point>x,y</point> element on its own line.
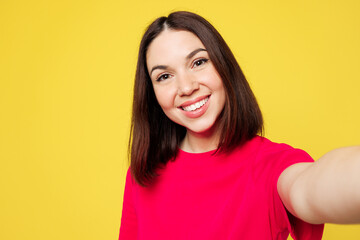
<point>66,77</point>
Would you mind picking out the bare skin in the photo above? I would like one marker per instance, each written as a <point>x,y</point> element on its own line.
<point>325,191</point>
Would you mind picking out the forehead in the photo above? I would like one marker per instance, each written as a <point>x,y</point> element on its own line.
<point>172,44</point>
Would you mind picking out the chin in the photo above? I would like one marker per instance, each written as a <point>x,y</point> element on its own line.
<point>204,129</point>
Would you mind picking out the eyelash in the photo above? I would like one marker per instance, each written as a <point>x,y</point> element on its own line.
<point>161,77</point>
<point>196,63</point>
<point>202,61</point>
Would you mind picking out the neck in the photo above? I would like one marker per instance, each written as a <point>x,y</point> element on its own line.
<point>201,142</point>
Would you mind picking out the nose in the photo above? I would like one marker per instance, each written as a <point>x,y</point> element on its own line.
<point>187,84</point>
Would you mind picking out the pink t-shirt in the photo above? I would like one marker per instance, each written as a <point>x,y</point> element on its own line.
<point>221,196</point>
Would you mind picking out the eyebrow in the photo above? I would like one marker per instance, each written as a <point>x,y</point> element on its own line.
<point>193,53</point>
<point>190,55</point>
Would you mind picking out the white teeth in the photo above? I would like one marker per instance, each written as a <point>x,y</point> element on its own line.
<point>196,105</point>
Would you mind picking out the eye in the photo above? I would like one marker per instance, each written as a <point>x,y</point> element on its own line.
<point>163,77</point>
<point>200,62</point>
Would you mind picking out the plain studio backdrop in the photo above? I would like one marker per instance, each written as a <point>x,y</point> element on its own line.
<point>66,77</point>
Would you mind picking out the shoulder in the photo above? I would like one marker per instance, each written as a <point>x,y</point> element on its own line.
<point>270,146</point>
<point>281,153</point>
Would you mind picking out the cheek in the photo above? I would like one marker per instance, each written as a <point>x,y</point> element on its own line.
<point>212,79</point>
<point>219,87</point>
<point>222,99</point>
<point>164,98</point>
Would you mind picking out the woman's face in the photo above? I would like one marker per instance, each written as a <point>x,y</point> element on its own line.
<point>186,84</point>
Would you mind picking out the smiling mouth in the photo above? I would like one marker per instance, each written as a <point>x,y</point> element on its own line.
<point>196,105</point>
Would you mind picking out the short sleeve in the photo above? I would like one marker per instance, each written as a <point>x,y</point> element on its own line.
<point>285,222</point>
<point>128,228</point>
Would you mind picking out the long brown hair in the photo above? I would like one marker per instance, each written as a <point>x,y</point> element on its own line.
<point>154,138</point>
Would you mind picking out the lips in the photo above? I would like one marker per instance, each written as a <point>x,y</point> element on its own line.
<point>196,107</point>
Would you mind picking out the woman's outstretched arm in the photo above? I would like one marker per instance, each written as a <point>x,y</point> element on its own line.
<point>325,191</point>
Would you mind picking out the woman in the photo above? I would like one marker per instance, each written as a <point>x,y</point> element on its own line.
<point>198,168</point>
